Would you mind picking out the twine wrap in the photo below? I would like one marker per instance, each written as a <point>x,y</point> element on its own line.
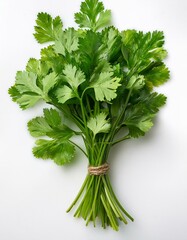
<point>99,170</point>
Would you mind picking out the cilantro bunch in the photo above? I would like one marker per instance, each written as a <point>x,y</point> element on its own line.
<point>100,83</point>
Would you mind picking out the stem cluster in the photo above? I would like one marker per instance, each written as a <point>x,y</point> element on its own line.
<point>99,200</point>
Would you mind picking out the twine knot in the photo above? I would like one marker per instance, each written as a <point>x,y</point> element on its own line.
<point>99,170</point>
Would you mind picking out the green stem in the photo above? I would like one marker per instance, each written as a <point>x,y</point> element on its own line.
<point>102,152</point>
<point>84,119</point>
<point>109,213</point>
<point>115,125</point>
<point>97,198</point>
<point>86,194</point>
<point>72,117</point>
<point>88,104</point>
<point>111,190</point>
<point>122,112</point>
<point>79,193</point>
<point>112,200</point>
<point>120,140</point>
<point>78,147</point>
<point>93,210</point>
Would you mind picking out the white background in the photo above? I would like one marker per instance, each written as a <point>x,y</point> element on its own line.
<point>149,175</point>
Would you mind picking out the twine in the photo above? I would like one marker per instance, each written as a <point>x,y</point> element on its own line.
<point>99,170</point>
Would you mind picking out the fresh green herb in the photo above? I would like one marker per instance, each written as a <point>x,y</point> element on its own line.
<point>100,79</point>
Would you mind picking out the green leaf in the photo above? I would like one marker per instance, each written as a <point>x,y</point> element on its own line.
<point>99,124</point>
<point>26,101</point>
<point>52,59</point>
<point>105,86</point>
<point>49,125</point>
<point>26,82</point>
<point>141,49</point>
<point>92,15</point>
<point>136,82</point>
<point>138,117</point>
<point>48,54</point>
<point>14,93</point>
<point>128,37</point>
<point>135,132</point>
<point>144,123</point>
<point>49,82</point>
<point>73,76</point>
<point>90,51</point>
<point>59,151</point>
<point>67,41</point>
<point>39,127</point>
<point>25,91</point>
<point>103,66</point>
<point>157,75</point>
<point>111,44</point>
<point>151,102</point>
<point>40,68</point>
<point>52,117</point>
<point>47,29</point>
<point>103,20</point>
<point>64,93</point>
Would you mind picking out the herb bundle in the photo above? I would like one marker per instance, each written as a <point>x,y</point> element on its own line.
<point>100,79</point>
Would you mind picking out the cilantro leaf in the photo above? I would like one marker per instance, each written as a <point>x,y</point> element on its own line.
<point>64,93</point>
<point>99,124</point>
<point>73,77</point>
<point>47,29</point>
<point>40,68</point>
<point>92,15</point>
<point>67,42</point>
<point>39,127</point>
<point>105,86</point>
<point>157,76</point>
<point>52,117</point>
<point>49,82</point>
<point>111,44</point>
<point>49,125</point>
<point>138,117</point>
<point>27,82</point>
<point>144,123</point>
<point>25,91</point>
<point>103,20</point>
<point>135,132</point>
<point>151,101</point>
<point>103,66</point>
<point>136,82</point>
<point>53,60</point>
<point>90,51</point>
<point>27,100</point>
<point>14,93</point>
<point>59,151</point>
<point>141,49</point>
